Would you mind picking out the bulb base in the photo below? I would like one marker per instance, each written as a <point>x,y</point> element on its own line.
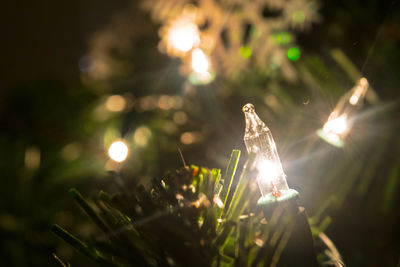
<point>332,139</point>
<point>269,199</point>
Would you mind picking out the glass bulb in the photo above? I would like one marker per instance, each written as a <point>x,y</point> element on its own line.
<point>340,120</point>
<point>258,139</point>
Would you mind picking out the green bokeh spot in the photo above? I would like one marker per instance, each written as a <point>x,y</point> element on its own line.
<point>282,38</point>
<point>245,52</point>
<point>293,53</point>
<point>278,38</point>
<point>299,16</point>
<point>285,37</point>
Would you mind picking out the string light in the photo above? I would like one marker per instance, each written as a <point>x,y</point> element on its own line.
<point>200,63</point>
<point>340,121</point>
<point>182,36</point>
<point>201,68</point>
<point>118,151</point>
<point>258,139</point>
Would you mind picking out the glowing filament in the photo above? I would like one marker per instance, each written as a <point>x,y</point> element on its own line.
<point>118,151</point>
<point>337,125</point>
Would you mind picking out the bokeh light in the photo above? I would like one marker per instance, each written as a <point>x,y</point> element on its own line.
<point>180,117</point>
<point>299,16</point>
<point>32,158</point>
<point>245,52</point>
<point>71,151</point>
<point>188,138</point>
<point>200,62</point>
<point>293,53</point>
<point>115,103</point>
<point>118,151</point>
<point>183,35</point>
<point>281,38</point>
<point>142,135</point>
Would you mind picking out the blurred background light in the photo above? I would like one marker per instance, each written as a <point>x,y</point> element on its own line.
<point>118,151</point>
<point>180,117</point>
<point>200,62</point>
<point>183,35</point>
<point>32,158</point>
<point>71,151</point>
<point>115,103</point>
<point>293,53</point>
<point>299,16</point>
<point>142,135</point>
<point>245,52</point>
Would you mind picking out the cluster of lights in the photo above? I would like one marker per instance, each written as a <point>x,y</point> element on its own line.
<point>258,139</point>
<point>182,35</point>
<point>341,118</point>
<point>182,39</point>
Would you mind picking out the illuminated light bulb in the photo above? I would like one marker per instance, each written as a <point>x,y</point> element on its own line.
<point>118,151</point>
<point>200,63</point>
<point>258,139</point>
<point>183,35</point>
<point>201,68</point>
<point>336,125</point>
<point>340,121</point>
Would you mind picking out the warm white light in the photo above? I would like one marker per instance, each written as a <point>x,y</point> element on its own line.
<point>118,151</point>
<point>115,103</point>
<point>258,139</point>
<point>268,171</point>
<point>200,63</point>
<point>183,35</point>
<point>340,120</point>
<point>32,158</point>
<point>142,136</point>
<point>353,100</point>
<point>337,126</point>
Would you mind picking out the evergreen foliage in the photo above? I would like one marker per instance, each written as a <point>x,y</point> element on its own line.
<point>184,219</point>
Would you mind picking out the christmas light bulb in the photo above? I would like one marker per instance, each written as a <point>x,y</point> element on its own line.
<point>118,151</point>
<point>341,119</point>
<point>258,139</point>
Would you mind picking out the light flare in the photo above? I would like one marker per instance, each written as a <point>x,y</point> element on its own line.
<point>268,170</point>
<point>340,121</point>
<point>338,125</point>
